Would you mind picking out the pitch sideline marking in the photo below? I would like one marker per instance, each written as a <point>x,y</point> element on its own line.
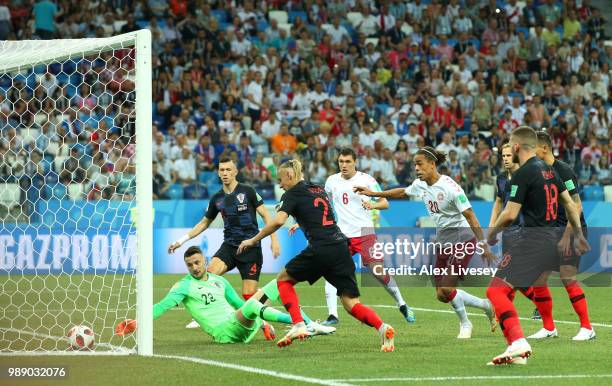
<point>271,373</point>
<point>476,378</point>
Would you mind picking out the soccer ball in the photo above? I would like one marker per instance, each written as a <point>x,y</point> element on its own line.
<point>80,338</point>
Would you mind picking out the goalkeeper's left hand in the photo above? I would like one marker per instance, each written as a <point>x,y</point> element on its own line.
<point>126,327</point>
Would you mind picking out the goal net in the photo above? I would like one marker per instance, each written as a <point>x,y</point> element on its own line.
<point>75,193</point>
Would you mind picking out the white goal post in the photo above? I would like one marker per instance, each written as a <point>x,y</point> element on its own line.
<point>76,209</point>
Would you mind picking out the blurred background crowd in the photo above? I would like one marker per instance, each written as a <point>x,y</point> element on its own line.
<point>263,81</point>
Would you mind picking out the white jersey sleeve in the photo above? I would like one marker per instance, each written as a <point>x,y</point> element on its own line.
<point>459,198</point>
<point>413,189</point>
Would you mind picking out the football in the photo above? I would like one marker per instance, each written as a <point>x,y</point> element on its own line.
<point>80,338</point>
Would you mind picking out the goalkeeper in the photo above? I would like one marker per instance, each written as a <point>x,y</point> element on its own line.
<point>221,313</point>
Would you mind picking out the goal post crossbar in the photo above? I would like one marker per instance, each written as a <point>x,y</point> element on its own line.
<point>14,55</point>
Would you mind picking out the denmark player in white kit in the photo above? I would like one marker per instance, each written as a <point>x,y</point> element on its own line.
<point>354,217</point>
<point>453,215</point>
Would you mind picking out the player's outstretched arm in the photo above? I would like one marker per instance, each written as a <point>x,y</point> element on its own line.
<point>196,230</point>
<point>391,193</point>
<point>173,299</point>
<point>263,212</point>
<point>380,204</point>
<point>277,222</point>
<point>506,217</point>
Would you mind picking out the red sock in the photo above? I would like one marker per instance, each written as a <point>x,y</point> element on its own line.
<point>366,315</point>
<point>452,295</point>
<point>528,292</point>
<point>543,301</point>
<point>500,293</point>
<point>247,296</point>
<point>290,300</point>
<point>576,295</point>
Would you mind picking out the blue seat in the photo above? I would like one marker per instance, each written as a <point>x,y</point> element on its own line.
<point>262,25</point>
<point>196,191</point>
<point>266,193</point>
<point>293,14</point>
<point>207,177</point>
<point>57,192</point>
<point>175,192</point>
<point>382,107</point>
<point>524,31</point>
<point>213,188</point>
<point>593,193</point>
<point>51,178</point>
<point>220,15</point>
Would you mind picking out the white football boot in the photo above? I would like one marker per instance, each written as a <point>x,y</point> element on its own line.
<point>584,334</point>
<point>543,334</point>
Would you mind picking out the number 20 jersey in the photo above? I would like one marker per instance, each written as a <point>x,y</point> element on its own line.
<point>310,206</point>
<point>445,201</point>
<point>352,217</point>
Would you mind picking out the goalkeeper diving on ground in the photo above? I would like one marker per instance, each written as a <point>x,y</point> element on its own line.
<point>215,305</point>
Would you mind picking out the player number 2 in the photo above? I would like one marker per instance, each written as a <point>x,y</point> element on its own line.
<point>345,199</point>
<point>324,220</point>
<point>552,202</point>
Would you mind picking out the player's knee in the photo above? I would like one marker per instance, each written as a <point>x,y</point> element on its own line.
<point>444,294</point>
<point>567,273</point>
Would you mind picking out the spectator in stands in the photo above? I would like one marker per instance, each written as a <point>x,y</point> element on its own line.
<point>587,173</point>
<point>388,168</point>
<point>185,167</point>
<point>45,14</point>
<point>160,186</point>
<point>318,170</point>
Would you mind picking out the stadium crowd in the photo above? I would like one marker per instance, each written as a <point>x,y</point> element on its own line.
<point>269,80</point>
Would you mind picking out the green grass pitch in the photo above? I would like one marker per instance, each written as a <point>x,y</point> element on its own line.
<point>424,350</point>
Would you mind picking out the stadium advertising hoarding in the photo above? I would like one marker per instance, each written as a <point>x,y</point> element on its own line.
<point>47,247</point>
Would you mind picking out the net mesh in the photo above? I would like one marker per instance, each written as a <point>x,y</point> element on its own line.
<point>67,192</point>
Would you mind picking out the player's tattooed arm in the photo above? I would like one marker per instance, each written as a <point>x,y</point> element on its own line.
<point>581,245</point>
<point>506,217</point>
<point>565,244</point>
<point>391,193</point>
<point>263,212</point>
<point>277,222</point>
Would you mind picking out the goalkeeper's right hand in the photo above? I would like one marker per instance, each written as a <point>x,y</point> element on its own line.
<point>126,327</point>
<point>177,244</point>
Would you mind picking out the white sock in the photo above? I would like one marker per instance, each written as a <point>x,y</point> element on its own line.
<point>331,298</point>
<point>471,300</point>
<point>459,307</point>
<point>393,290</point>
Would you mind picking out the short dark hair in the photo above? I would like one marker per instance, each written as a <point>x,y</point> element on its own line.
<point>544,139</point>
<point>193,250</point>
<point>349,151</point>
<point>437,156</point>
<point>224,159</point>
